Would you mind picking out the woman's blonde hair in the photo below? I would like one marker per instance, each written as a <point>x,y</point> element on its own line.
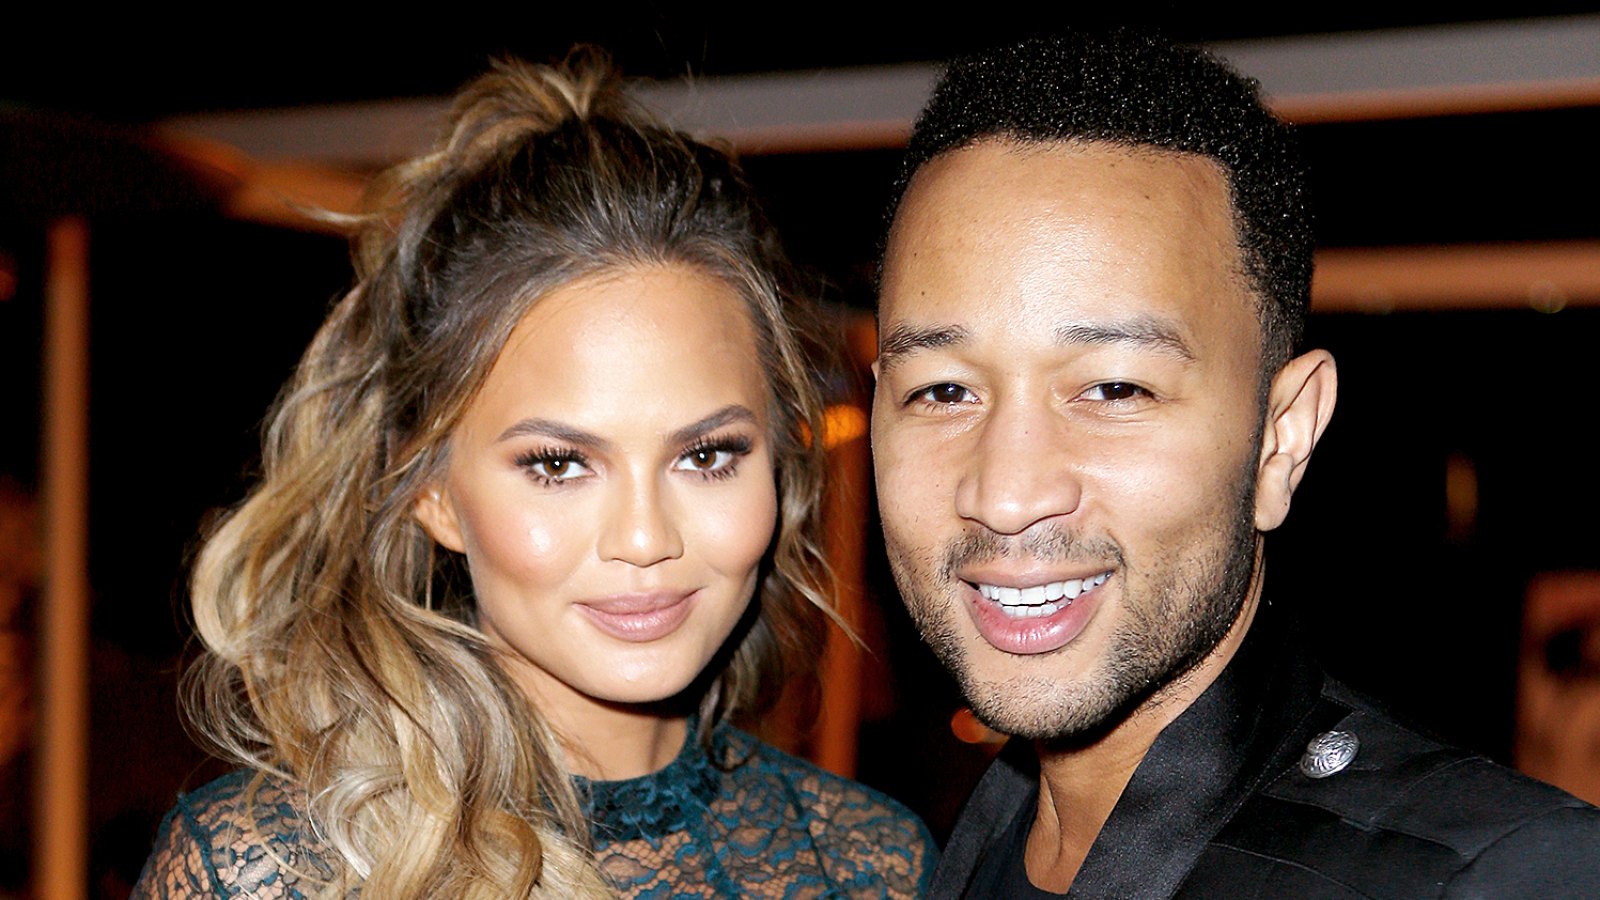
<point>342,654</point>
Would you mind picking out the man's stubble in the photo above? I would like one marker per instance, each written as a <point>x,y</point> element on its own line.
<point>1186,608</point>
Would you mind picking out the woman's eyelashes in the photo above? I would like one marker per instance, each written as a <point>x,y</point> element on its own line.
<point>551,465</point>
<point>715,457</point>
<point>708,457</point>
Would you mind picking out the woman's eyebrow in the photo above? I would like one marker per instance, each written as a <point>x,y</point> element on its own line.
<point>549,428</point>
<point>733,412</point>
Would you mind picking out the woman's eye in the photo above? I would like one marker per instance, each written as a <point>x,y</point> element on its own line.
<point>556,468</point>
<point>944,394</point>
<point>705,459</point>
<point>715,458</point>
<point>1113,391</point>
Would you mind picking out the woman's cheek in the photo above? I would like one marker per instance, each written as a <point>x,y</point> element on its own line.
<point>742,529</point>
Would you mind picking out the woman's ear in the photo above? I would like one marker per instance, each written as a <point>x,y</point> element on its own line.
<point>1299,405</point>
<point>437,514</point>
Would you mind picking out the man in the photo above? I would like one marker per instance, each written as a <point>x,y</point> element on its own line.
<point>1088,410</point>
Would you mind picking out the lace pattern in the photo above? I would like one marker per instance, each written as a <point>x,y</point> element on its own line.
<point>216,844</point>
<point>744,820</point>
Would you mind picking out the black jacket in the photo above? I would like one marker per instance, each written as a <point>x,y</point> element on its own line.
<point>1220,808</point>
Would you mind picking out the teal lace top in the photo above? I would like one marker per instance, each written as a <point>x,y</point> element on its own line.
<point>745,820</point>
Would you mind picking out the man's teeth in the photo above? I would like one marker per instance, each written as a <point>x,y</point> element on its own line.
<point>1040,599</point>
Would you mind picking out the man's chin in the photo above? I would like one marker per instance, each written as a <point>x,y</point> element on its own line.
<point>1038,709</point>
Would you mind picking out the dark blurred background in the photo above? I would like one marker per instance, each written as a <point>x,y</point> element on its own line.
<point>1458,466</point>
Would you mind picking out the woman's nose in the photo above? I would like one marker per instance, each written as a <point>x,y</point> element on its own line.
<point>642,529</point>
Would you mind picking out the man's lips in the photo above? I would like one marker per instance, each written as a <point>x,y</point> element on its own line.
<point>1021,616</point>
<point>1043,599</point>
<point>639,617</point>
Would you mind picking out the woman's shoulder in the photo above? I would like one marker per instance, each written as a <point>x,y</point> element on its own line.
<point>242,835</point>
<point>867,834</point>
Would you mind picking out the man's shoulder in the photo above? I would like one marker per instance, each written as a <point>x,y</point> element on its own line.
<point>1407,815</point>
<point>1402,780</point>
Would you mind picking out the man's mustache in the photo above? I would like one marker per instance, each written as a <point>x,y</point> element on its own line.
<point>1048,543</point>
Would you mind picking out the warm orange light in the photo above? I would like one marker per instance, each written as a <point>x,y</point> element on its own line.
<point>968,730</point>
<point>842,424</point>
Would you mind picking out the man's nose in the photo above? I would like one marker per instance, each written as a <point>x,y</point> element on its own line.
<point>1019,472</point>
<point>640,528</point>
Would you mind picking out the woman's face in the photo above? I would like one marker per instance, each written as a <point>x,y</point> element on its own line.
<point>612,487</point>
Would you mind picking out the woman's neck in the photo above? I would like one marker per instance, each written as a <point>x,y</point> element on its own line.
<point>604,741</point>
<point>612,744</point>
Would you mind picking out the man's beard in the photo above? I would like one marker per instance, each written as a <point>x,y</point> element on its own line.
<point>1164,633</point>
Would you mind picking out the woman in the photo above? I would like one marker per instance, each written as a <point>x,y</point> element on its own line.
<point>538,515</point>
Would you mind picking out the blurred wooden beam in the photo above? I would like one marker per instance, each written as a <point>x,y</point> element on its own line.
<point>1425,102</point>
<point>846,511</point>
<point>1480,67</point>
<point>1543,276</point>
<point>61,786</point>
<point>286,193</point>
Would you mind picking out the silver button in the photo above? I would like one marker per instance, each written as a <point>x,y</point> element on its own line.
<point>1328,753</point>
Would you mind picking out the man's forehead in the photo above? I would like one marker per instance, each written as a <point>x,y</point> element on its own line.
<point>1008,177</point>
<point>1012,201</point>
<point>1029,237</point>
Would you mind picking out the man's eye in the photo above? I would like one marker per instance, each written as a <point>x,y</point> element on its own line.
<point>1113,391</point>
<point>944,394</point>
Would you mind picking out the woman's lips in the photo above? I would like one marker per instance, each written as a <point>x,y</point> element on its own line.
<point>639,618</point>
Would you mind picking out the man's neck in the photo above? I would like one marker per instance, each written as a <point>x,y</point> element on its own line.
<point>1079,787</point>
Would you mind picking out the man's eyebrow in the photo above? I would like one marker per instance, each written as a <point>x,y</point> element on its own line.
<point>727,415</point>
<point>549,428</point>
<point>1144,331</point>
<point>903,340</point>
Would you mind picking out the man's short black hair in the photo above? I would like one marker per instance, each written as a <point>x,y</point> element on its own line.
<point>1137,91</point>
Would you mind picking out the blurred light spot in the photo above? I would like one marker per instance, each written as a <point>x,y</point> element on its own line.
<point>968,730</point>
<point>8,276</point>
<point>1460,498</point>
<point>842,424</point>
<point>1546,297</point>
<point>1377,300</point>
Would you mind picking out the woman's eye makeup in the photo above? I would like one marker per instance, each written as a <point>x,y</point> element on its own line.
<point>710,457</point>
<point>552,465</point>
<point>714,457</point>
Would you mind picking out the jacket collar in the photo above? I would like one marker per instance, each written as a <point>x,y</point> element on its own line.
<point>1231,741</point>
<point>1247,726</point>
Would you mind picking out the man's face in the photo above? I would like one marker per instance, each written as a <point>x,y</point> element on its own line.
<point>1066,424</point>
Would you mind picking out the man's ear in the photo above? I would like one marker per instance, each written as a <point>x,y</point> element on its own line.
<point>1299,405</point>
<point>437,515</point>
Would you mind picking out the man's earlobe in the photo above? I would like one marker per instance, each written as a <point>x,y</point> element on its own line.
<point>437,515</point>
<point>1299,405</point>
